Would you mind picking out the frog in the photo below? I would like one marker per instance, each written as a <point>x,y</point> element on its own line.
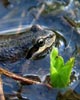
<point>29,44</point>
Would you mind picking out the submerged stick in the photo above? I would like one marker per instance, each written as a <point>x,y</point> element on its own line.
<point>22,79</point>
<point>17,77</point>
<point>1,90</point>
<point>70,21</point>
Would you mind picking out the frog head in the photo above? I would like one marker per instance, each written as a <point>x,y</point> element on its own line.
<point>43,41</point>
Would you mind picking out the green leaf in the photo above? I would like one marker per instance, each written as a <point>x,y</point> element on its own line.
<point>53,75</point>
<point>60,72</point>
<point>57,81</point>
<point>65,72</point>
<point>53,55</point>
<point>59,62</point>
<point>54,52</point>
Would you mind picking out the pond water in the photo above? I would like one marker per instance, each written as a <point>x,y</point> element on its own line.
<point>61,16</point>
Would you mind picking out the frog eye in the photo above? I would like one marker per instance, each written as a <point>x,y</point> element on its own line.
<point>41,42</point>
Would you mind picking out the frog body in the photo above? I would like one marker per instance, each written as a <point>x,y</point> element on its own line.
<point>33,42</point>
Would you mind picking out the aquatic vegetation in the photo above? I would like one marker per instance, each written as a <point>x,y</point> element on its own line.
<point>60,72</point>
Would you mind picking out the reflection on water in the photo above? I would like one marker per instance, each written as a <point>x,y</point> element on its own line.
<point>73,10</point>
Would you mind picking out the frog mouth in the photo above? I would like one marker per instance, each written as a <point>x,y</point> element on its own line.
<point>37,52</point>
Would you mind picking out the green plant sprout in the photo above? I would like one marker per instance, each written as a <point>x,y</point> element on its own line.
<point>60,72</point>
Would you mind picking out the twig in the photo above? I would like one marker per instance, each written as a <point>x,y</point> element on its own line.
<point>1,90</point>
<point>17,77</point>
<point>21,79</point>
<point>70,21</point>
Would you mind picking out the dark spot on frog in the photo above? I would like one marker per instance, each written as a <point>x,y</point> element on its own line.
<point>35,28</point>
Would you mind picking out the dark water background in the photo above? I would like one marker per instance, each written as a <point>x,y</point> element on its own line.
<point>54,14</point>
